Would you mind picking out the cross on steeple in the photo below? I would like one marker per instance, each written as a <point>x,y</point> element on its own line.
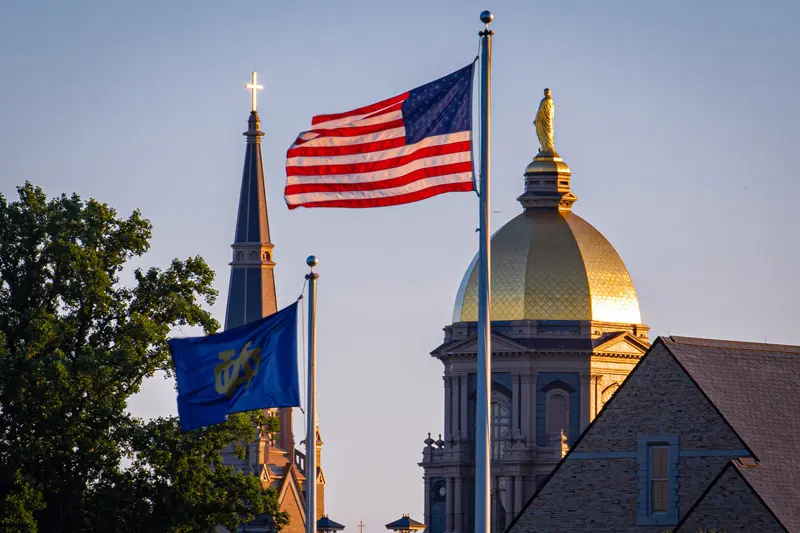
<point>361,526</point>
<point>254,86</point>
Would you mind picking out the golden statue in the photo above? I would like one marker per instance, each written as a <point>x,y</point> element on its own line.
<point>544,124</point>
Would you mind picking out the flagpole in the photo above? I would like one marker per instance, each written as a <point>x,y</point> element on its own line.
<point>483,514</point>
<point>311,400</point>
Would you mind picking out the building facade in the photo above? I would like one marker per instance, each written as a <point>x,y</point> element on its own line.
<point>701,436</point>
<point>566,331</point>
<point>274,458</point>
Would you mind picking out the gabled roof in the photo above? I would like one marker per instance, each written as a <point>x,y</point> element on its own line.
<point>469,346</point>
<point>756,388</point>
<point>736,469</point>
<point>620,342</point>
<point>291,489</point>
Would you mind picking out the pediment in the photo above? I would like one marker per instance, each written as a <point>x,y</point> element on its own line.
<point>264,475</point>
<point>290,494</point>
<point>624,343</point>
<point>469,346</point>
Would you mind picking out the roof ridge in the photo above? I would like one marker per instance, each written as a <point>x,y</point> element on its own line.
<point>740,345</point>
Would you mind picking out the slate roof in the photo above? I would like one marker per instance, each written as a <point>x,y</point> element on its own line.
<point>740,469</point>
<point>756,388</point>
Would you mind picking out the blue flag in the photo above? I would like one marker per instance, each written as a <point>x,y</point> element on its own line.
<point>242,369</point>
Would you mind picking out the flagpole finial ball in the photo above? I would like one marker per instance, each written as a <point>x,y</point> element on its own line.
<point>312,261</point>
<point>487,17</point>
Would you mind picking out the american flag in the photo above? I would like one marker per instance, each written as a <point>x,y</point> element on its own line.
<point>403,149</point>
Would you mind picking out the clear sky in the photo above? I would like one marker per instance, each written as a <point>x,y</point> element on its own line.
<point>679,120</point>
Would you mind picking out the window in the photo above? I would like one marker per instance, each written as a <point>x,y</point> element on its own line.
<point>557,417</point>
<point>659,479</point>
<point>438,502</point>
<point>607,393</point>
<point>501,427</point>
<point>558,397</point>
<point>657,503</point>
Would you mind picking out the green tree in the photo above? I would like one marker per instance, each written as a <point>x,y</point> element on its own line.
<point>75,345</point>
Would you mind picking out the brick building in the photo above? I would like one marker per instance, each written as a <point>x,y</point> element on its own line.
<point>702,434</point>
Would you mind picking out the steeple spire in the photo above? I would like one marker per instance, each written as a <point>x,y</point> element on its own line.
<point>251,293</point>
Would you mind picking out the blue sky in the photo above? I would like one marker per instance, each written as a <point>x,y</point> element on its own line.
<point>679,121</point>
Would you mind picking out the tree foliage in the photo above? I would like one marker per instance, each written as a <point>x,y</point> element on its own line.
<point>75,345</point>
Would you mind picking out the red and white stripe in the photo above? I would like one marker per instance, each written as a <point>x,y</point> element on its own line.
<point>360,159</point>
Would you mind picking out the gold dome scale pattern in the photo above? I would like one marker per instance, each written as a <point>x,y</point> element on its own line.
<point>552,265</point>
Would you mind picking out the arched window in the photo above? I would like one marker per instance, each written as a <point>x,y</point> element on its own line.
<point>608,393</point>
<point>557,416</point>
<point>501,426</point>
<point>438,499</point>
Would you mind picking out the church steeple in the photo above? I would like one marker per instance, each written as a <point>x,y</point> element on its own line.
<point>251,294</point>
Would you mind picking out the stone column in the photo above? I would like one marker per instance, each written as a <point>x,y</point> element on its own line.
<point>427,499</point>
<point>594,395</point>
<point>493,503</point>
<point>448,407</point>
<point>509,503</point>
<point>518,499</point>
<point>515,404</point>
<point>528,386</point>
<point>458,500</point>
<point>448,522</point>
<point>585,396</point>
<point>464,381</point>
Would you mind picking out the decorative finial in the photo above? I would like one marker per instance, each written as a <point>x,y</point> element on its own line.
<point>312,261</point>
<point>487,17</point>
<point>254,86</point>
<point>545,117</point>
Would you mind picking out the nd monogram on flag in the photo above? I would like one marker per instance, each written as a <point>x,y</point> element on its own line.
<point>250,367</point>
<point>400,150</point>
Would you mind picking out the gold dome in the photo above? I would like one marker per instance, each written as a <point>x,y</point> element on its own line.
<point>552,265</point>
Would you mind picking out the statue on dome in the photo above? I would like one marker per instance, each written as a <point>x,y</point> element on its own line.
<point>544,124</point>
